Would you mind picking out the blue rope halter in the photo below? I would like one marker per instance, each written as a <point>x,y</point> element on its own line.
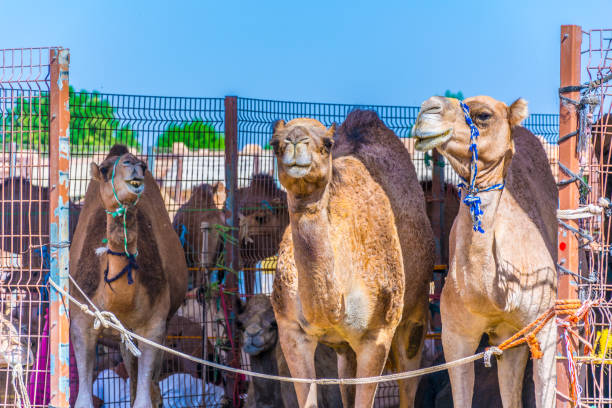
<point>121,211</point>
<point>471,198</point>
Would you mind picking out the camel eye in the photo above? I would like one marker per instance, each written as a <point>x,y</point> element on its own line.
<point>483,116</point>
<point>260,219</point>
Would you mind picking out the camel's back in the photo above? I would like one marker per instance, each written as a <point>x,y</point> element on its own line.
<point>364,136</point>
<point>533,187</point>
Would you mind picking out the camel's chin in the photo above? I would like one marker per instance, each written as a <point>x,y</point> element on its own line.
<point>425,142</point>
<point>297,171</point>
<point>135,189</point>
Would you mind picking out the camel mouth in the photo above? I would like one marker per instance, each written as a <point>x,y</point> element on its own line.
<point>253,345</point>
<point>430,140</point>
<point>296,170</point>
<point>135,185</point>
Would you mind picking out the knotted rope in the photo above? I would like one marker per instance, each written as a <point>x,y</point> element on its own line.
<point>131,265</point>
<point>471,198</point>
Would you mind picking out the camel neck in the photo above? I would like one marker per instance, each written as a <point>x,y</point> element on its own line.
<point>314,258</point>
<point>473,247</point>
<point>116,234</point>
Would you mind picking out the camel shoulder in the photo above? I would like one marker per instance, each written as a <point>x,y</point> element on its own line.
<point>285,279</point>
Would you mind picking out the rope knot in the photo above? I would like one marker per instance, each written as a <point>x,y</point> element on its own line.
<point>490,351</point>
<point>534,346</point>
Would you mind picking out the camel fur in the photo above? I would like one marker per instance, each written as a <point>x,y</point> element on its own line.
<point>355,263</point>
<point>260,340</point>
<point>160,282</point>
<point>501,280</point>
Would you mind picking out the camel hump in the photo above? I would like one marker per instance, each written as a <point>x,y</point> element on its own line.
<point>358,121</point>
<point>117,150</point>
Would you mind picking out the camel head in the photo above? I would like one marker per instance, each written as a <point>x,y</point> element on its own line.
<point>121,177</point>
<point>258,325</point>
<point>303,152</point>
<point>263,217</point>
<point>442,124</point>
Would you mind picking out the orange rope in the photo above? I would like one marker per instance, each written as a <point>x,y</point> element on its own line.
<point>563,307</point>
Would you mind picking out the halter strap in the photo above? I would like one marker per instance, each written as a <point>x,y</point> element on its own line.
<point>121,210</point>
<point>126,269</point>
<point>471,198</point>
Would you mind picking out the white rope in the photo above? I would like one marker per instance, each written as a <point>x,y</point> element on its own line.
<point>590,210</point>
<point>101,318</point>
<point>11,351</point>
<point>130,336</point>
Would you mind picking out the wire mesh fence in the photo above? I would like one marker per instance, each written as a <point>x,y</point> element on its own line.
<point>183,141</point>
<point>593,281</point>
<point>24,192</point>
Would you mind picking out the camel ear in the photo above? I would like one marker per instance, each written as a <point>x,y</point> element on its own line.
<point>279,125</point>
<point>328,139</point>
<point>97,172</point>
<point>517,112</point>
<point>277,204</point>
<point>219,195</point>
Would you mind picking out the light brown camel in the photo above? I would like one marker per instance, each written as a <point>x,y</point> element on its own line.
<point>502,279</point>
<point>355,263</point>
<point>142,290</point>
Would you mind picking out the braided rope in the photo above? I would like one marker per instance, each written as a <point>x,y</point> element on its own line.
<point>471,198</point>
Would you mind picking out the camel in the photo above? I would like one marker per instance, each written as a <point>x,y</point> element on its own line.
<point>263,219</point>
<point>139,276</point>
<point>355,262</point>
<point>196,222</point>
<point>503,245</point>
<point>260,340</point>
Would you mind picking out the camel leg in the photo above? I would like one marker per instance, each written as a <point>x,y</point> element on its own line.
<point>150,357</point>
<point>511,370</point>
<point>458,344</point>
<point>405,355</point>
<point>299,350</point>
<point>347,368</point>
<point>372,353</point>
<point>84,338</point>
<point>544,369</point>
<point>131,365</point>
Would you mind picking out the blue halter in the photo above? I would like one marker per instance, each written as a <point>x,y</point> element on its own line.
<point>471,198</point>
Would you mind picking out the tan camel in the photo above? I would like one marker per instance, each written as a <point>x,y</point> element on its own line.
<point>142,290</point>
<point>355,263</point>
<point>503,278</point>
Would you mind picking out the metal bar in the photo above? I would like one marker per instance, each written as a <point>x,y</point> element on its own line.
<point>232,260</point>
<point>571,39</point>
<point>437,195</point>
<point>59,166</point>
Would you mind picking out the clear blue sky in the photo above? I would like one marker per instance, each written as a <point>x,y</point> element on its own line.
<point>372,52</point>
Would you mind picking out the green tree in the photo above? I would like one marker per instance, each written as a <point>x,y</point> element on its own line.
<point>93,125</point>
<point>195,135</point>
<point>458,95</point>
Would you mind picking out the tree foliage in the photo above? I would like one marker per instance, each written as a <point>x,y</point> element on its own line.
<point>93,123</point>
<point>195,135</point>
<point>458,95</point>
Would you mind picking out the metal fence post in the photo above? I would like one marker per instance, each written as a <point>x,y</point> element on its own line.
<point>59,166</point>
<point>571,40</point>
<point>437,204</point>
<point>232,260</point>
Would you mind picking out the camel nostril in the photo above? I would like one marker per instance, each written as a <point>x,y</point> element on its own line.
<point>433,105</point>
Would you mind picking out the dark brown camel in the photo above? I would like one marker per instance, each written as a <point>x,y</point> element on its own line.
<point>263,219</point>
<point>144,290</point>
